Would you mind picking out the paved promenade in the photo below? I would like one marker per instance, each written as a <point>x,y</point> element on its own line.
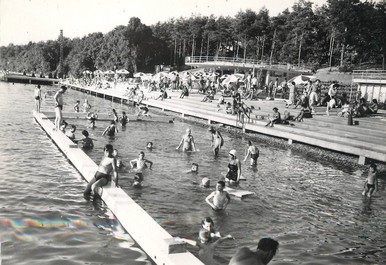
<point>366,140</point>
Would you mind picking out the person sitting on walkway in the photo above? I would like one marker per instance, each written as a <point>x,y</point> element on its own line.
<point>102,177</point>
<point>185,91</point>
<point>266,250</point>
<point>275,117</point>
<point>303,101</point>
<point>163,95</point>
<point>373,107</point>
<point>209,96</point>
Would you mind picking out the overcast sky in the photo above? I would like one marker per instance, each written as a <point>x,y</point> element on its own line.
<point>22,21</point>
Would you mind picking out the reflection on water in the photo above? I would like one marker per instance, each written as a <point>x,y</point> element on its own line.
<point>313,207</point>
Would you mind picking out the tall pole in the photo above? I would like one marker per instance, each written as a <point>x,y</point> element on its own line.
<point>273,47</point>
<point>61,54</point>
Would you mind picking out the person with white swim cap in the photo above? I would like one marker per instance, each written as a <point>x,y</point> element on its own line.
<point>234,168</point>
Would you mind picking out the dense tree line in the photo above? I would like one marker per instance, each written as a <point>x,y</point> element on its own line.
<point>341,33</point>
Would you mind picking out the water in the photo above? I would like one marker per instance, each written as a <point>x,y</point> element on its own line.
<point>312,206</point>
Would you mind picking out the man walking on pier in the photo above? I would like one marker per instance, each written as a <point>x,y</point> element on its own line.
<point>59,106</point>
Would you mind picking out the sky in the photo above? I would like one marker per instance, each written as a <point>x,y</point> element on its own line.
<point>22,21</point>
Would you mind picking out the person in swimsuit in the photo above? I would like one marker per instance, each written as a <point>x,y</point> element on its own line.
<point>86,142</point>
<point>92,117</point>
<point>76,106</point>
<point>38,97</point>
<point>220,197</point>
<point>266,250</point>
<point>140,164</point>
<point>252,151</point>
<point>234,168</point>
<point>102,177</point>
<point>117,157</point>
<point>59,106</point>
<point>115,114</point>
<point>217,141</point>
<point>187,142</point>
<point>124,120</point>
<point>371,183</point>
<point>149,146</point>
<point>86,106</point>
<point>111,130</point>
<point>206,242</point>
<point>71,133</point>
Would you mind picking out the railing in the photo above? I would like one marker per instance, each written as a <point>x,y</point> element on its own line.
<point>251,62</point>
<point>369,74</point>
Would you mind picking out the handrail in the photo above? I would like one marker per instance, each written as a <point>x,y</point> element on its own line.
<point>369,74</point>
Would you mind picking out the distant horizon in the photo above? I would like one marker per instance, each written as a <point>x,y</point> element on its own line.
<point>80,18</point>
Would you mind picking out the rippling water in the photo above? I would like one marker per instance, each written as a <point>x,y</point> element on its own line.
<point>311,206</point>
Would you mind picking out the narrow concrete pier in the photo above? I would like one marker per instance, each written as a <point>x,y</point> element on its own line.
<point>159,245</point>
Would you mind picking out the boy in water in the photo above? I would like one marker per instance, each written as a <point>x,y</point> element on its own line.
<point>217,140</point>
<point>140,163</point>
<point>252,151</point>
<point>116,156</point>
<point>71,133</point>
<point>86,142</point>
<point>220,197</point>
<point>149,146</point>
<point>124,120</point>
<point>371,183</point>
<point>92,117</point>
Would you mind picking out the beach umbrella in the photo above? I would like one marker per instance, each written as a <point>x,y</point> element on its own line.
<point>109,72</point>
<point>139,74</point>
<point>123,71</point>
<point>86,72</point>
<point>230,79</point>
<point>301,79</point>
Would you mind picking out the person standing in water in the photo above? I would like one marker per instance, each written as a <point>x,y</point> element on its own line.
<point>140,164</point>
<point>102,177</point>
<point>59,106</point>
<point>234,168</point>
<point>217,141</point>
<point>38,97</point>
<point>252,151</point>
<point>187,142</point>
<point>371,183</point>
<point>220,197</point>
<point>110,130</point>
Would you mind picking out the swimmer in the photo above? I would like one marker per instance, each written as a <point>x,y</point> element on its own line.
<point>266,250</point>
<point>194,168</point>
<point>220,197</point>
<point>76,106</point>
<point>234,168</point>
<point>149,145</point>
<point>116,156</point>
<point>206,242</point>
<point>110,130</point>
<point>124,119</point>
<point>187,142</point>
<point>86,142</point>
<point>38,97</point>
<point>92,117</point>
<point>71,133</point>
<point>205,182</point>
<point>217,141</point>
<point>63,126</point>
<point>59,106</point>
<point>102,177</point>
<point>86,106</point>
<point>371,183</point>
<point>143,111</point>
<point>252,151</point>
<point>115,114</point>
<point>140,163</point>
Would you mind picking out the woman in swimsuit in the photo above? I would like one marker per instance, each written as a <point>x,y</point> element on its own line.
<point>187,142</point>
<point>102,177</point>
<point>234,168</point>
<point>253,151</point>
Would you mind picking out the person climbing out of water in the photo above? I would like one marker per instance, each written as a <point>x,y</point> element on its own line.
<point>187,142</point>
<point>234,168</point>
<point>102,176</point>
<point>140,164</point>
<point>117,157</point>
<point>207,241</point>
<point>266,250</point>
<point>252,151</point>
<point>220,197</point>
<point>71,133</point>
<point>59,106</point>
<point>371,183</point>
<point>110,130</point>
